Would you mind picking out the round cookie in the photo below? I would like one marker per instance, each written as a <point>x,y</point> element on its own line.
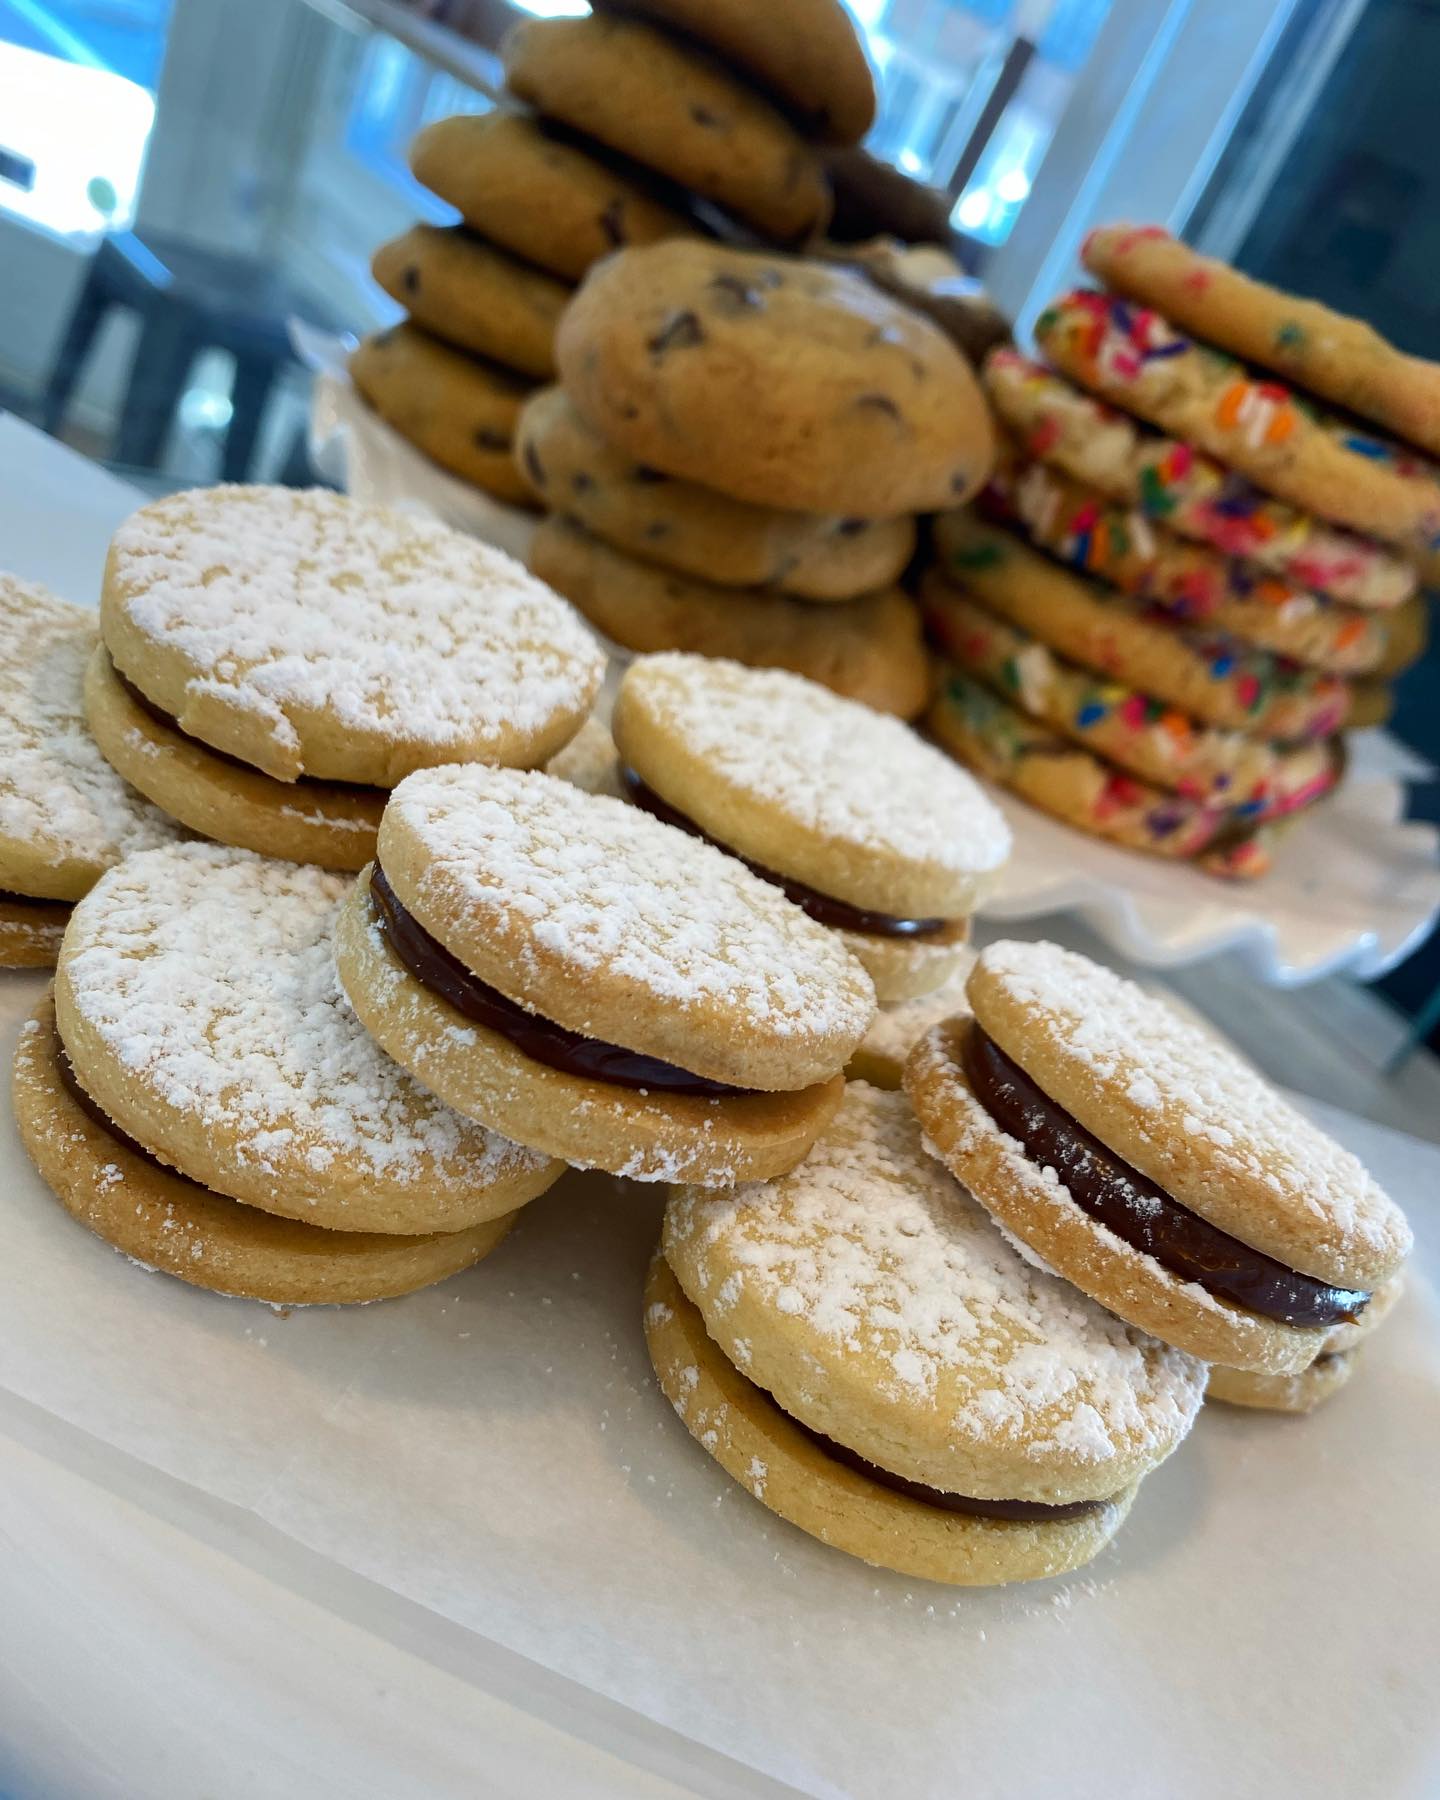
<point>1141,735</point>
<point>1174,484</point>
<point>305,821</point>
<point>1215,679</point>
<point>31,931</point>
<point>1344,360</point>
<point>1300,1393</point>
<point>521,183</point>
<point>776,380</point>
<point>671,108</point>
<point>308,635</point>
<point>198,1001</point>
<point>875,1308</point>
<point>163,1221</point>
<point>869,649</point>
<point>895,1030</point>
<point>867,828</point>
<point>456,408</point>
<point>65,815</point>
<point>559,964</point>
<point>998,741</point>
<point>1117,544</point>
<point>693,529</point>
<point>474,295</point>
<point>806,53</point>
<point>1151,1165</point>
<point>1134,358</point>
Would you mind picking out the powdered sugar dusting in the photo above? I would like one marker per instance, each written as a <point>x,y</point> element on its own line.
<point>600,885</point>
<point>858,776</point>
<point>57,792</point>
<point>392,623</point>
<point>1178,1079</point>
<point>895,1029</point>
<point>884,1256</point>
<point>210,973</point>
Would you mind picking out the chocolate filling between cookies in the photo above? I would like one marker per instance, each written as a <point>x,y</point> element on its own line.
<point>97,1115</point>
<point>1141,1214</point>
<point>823,908</point>
<point>535,1036</point>
<point>171,723</point>
<point>9,897</point>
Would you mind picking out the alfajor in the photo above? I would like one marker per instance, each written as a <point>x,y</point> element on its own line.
<point>65,815</point>
<point>1151,1165</point>
<point>859,1346</point>
<point>595,983</point>
<point>202,1097</point>
<point>867,828</point>
<point>274,661</point>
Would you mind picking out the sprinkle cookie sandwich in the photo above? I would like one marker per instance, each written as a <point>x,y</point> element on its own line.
<point>274,661</point>
<point>868,829</point>
<point>860,1348</point>
<point>65,815</point>
<point>604,987</point>
<point>201,1096</point>
<point>1150,1165</point>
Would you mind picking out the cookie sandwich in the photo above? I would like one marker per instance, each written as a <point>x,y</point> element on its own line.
<point>868,829</point>
<point>274,661</point>
<point>65,815</point>
<point>1331,1370</point>
<point>199,1094</point>
<point>859,1346</point>
<point>602,986</point>
<point>1150,1165</point>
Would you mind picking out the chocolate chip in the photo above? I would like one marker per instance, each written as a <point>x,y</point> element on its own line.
<point>643,473</point>
<point>612,222</point>
<point>959,482</point>
<point>410,280</point>
<point>681,331</point>
<point>657,529</point>
<point>850,527</point>
<point>581,483</point>
<point>487,439</point>
<point>534,468</point>
<point>733,294</point>
<point>879,403</point>
<point>703,116</point>
<point>630,411</point>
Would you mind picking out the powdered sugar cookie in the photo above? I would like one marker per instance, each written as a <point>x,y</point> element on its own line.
<point>896,1029</point>
<point>330,823</point>
<point>474,295</point>
<point>308,635</point>
<point>868,829</point>
<point>198,1002</point>
<point>1214,678</point>
<point>1175,484</point>
<point>456,408</point>
<point>1344,360</point>
<point>620,994</point>
<point>589,761</point>
<point>30,931</point>
<point>1316,460</point>
<point>1300,1393</point>
<point>868,649</point>
<point>1150,1164</point>
<point>1078,524</point>
<point>695,530</point>
<point>164,1221</point>
<point>65,815</point>
<point>997,740</point>
<point>776,380</point>
<point>880,1367</point>
<point>1142,735</point>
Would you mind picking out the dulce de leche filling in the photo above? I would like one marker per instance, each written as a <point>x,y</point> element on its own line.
<point>534,1036</point>
<point>823,908</point>
<point>1141,1214</point>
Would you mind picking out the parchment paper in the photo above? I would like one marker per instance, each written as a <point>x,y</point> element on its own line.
<point>1268,1623</point>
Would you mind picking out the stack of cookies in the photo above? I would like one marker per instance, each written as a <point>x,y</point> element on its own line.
<point>1159,620</point>
<point>734,458</point>
<point>642,114</point>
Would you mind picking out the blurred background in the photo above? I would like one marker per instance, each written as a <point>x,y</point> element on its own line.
<point>178,177</point>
